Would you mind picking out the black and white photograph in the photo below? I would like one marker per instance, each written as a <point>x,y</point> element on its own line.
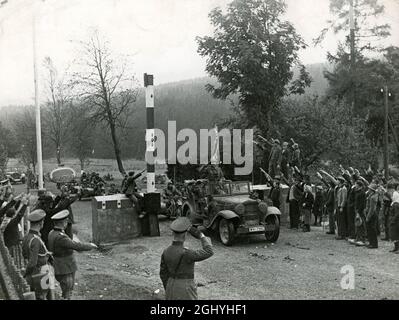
<point>221,151</point>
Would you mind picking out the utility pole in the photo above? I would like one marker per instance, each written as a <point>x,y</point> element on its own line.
<point>386,133</point>
<point>353,52</point>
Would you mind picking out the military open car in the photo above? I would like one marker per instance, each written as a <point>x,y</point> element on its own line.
<point>226,207</point>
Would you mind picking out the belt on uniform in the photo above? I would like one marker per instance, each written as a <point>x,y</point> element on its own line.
<point>61,255</point>
<point>185,276</point>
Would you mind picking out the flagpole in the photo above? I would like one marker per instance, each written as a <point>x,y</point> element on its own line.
<point>37,106</point>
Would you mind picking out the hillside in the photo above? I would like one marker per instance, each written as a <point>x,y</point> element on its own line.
<point>186,102</point>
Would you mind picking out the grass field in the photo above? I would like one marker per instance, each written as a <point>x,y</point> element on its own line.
<point>102,166</point>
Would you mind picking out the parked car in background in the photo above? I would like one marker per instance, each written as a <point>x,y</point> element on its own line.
<point>16,177</point>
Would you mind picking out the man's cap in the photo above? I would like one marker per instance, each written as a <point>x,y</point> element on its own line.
<point>277,177</point>
<point>319,187</point>
<point>277,141</point>
<point>36,215</point>
<point>181,225</point>
<point>60,215</point>
<point>373,187</point>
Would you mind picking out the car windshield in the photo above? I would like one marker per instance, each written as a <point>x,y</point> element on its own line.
<point>240,188</point>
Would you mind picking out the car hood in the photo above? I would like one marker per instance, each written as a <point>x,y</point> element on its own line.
<point>237,199</point>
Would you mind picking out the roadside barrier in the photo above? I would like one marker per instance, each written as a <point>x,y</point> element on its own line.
<point>12,282</point>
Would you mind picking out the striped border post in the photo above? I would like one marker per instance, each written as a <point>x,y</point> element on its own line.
<point>150,132</point>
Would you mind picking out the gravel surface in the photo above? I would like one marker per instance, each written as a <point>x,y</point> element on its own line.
<point>298,266</point>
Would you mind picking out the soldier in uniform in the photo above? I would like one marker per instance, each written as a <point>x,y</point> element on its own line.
<point>62,248</point>
<point>275,158</point>
<point>64,202</point>
<point>372,216</point>
<point>130,190</point>
<point>39,273</point>
<point>177,262</point>
<point>275,192</point>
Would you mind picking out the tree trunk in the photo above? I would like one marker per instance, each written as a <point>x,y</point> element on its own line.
<point>116,148</point>
<point>58,154</point>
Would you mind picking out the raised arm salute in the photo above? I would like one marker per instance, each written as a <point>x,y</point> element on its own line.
<point>63,251</point>
<point>177,262</point>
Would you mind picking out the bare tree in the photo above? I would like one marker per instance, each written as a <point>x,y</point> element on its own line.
<point>57,113</point>
<point>108,88</point>
<point>24,126</point>
<point>82,140</point>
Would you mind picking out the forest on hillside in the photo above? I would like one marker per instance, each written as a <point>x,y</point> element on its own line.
<point>186,102</point>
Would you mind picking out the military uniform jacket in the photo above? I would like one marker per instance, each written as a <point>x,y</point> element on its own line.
<point>35,252</point>
<point>178,262</point>
<point>371,206</point>
<point>130,186</point>
<point>62,248</point>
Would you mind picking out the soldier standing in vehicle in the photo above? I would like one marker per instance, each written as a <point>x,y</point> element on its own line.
<point>177,262</point>
<point>63,247</point>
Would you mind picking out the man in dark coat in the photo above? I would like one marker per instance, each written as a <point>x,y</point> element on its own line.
<point>62,248</point>
<point>64,202</point>
<point>46,203</point>
<point>372,216</point>
<point>341,205</point>
<point>285,160</point>
<point>38,259</point>
<point>130,190</point>
<point>350,212</point>
<point>330,206</point>
<point>275,159</point>
<point>360,219</point>
<point>318,205</point>
<point>177,262</point>
<point>293,198</point>
<point>12,236</point>
<point>275,192</point>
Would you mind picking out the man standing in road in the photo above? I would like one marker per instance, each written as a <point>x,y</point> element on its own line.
<point>177,262</point>
<point>62,248</point>
<point>372,216</point>
<point>342,195</point>
<point>294,196</point>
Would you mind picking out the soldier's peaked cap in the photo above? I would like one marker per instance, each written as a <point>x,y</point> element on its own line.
<point>60,215</point>
<point>181,225</point>
<point>36,215</point>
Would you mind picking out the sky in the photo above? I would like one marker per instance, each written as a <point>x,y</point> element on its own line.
<point>157,35</point>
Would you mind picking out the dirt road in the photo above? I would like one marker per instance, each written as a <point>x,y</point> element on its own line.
<point>299,266</point>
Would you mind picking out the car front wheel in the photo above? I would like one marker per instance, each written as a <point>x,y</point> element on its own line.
<point>227,232</point>
<point>272,225</point>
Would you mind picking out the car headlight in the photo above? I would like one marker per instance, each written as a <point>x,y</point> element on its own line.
<point>239,209</point>
<point>263,207</point>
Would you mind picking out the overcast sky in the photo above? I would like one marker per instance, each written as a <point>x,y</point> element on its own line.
<point>158,34</point>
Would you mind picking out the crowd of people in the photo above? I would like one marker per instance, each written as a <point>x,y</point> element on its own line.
<point>358,209</point>
<point>41,245</point>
